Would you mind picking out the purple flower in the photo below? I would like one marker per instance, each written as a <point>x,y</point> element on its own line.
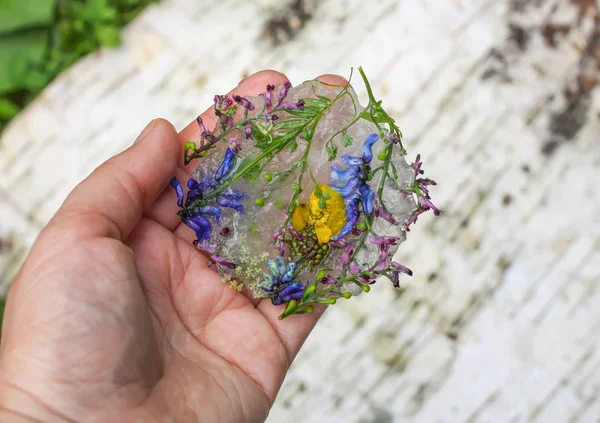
<point>277,235</point>
<point>400,268</point>
<point>284,92</point>
<point>413,218</point>
<point>424,183</point>
<point>278,243</point>
<point>235,145</point>
<point>294,233</point>
<point>222,102</point>
<point>396,270</point>
<point>328,280</point>
<point>244,102</point>
<point>381,212</point>
<point>392,138</point>
<point>354,268</point>
<point>384,243</point>
<point>347,255</point>
<point>428,205</point>
<point>299,105</point>
<point>270,117</point>
<point>201,125</point>
<point>268,96</point>
<point>417,165</point>
<point>222,261</point>
<point>247,131</point>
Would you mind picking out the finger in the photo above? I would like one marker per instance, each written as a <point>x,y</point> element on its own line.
<point>110,202</point>
<point>165,209</point>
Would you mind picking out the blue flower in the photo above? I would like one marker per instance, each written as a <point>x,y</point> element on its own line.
<point>351,183</point>
<point>197,212</point>
<point>279,282</point>
<point>225,168</point>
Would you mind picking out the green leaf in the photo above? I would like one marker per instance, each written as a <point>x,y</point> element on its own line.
<point>317,103</point>
<point>8,109</point>
<point>306,113</point>
<point>347,140</point>
<point>19,14</point>
<point>18,54</point>
<point>293,145</point>
<point>332,151</point>
<point>322,196</point>
<point>262,136</point>
<point>108,35</point>
<point>255,171</point>
<point>291,124</point>
<point>94,11</point>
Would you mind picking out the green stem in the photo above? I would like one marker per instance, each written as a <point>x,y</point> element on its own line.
<point>367,85</point>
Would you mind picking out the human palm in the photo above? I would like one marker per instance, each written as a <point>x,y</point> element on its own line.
<point>115,315</point>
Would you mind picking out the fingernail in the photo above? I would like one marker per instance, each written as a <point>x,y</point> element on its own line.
<point>146,131</point>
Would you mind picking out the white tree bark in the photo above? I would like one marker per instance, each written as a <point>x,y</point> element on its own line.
<point>501,321</point>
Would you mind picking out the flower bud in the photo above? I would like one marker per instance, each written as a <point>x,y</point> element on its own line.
<point>309,290</point>
<point>307,309</point>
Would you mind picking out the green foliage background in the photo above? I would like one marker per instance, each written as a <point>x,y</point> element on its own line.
<point>41,38</point>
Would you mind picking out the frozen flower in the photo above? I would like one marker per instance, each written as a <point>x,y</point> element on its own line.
<point>226,165</point>
<point>351,183</point>
<point>381,212</point>
<point>247,131</point>
<point>325,211</point>
<point>220,261</point>
<point>298,105</point>
<point>395,270</point>
<point>384,243</point>
<point>284,92</point>
<point>428,205</point>
<point>347,255</point>
<point>244,102</point>
<point>197,213</point>
<point>279,282</point>
<point>268,96</point>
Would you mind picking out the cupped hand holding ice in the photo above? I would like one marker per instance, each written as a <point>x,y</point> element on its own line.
<point>115,316</point>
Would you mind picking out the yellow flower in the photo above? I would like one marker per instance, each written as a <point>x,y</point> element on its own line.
<point>328,221</point>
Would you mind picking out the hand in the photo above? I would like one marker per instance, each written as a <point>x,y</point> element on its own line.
<point>116,317</point>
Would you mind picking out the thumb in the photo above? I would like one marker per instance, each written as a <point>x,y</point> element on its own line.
<point>112,199</point>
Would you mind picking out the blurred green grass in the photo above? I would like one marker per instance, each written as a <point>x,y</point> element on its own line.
<point>41,38</point>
